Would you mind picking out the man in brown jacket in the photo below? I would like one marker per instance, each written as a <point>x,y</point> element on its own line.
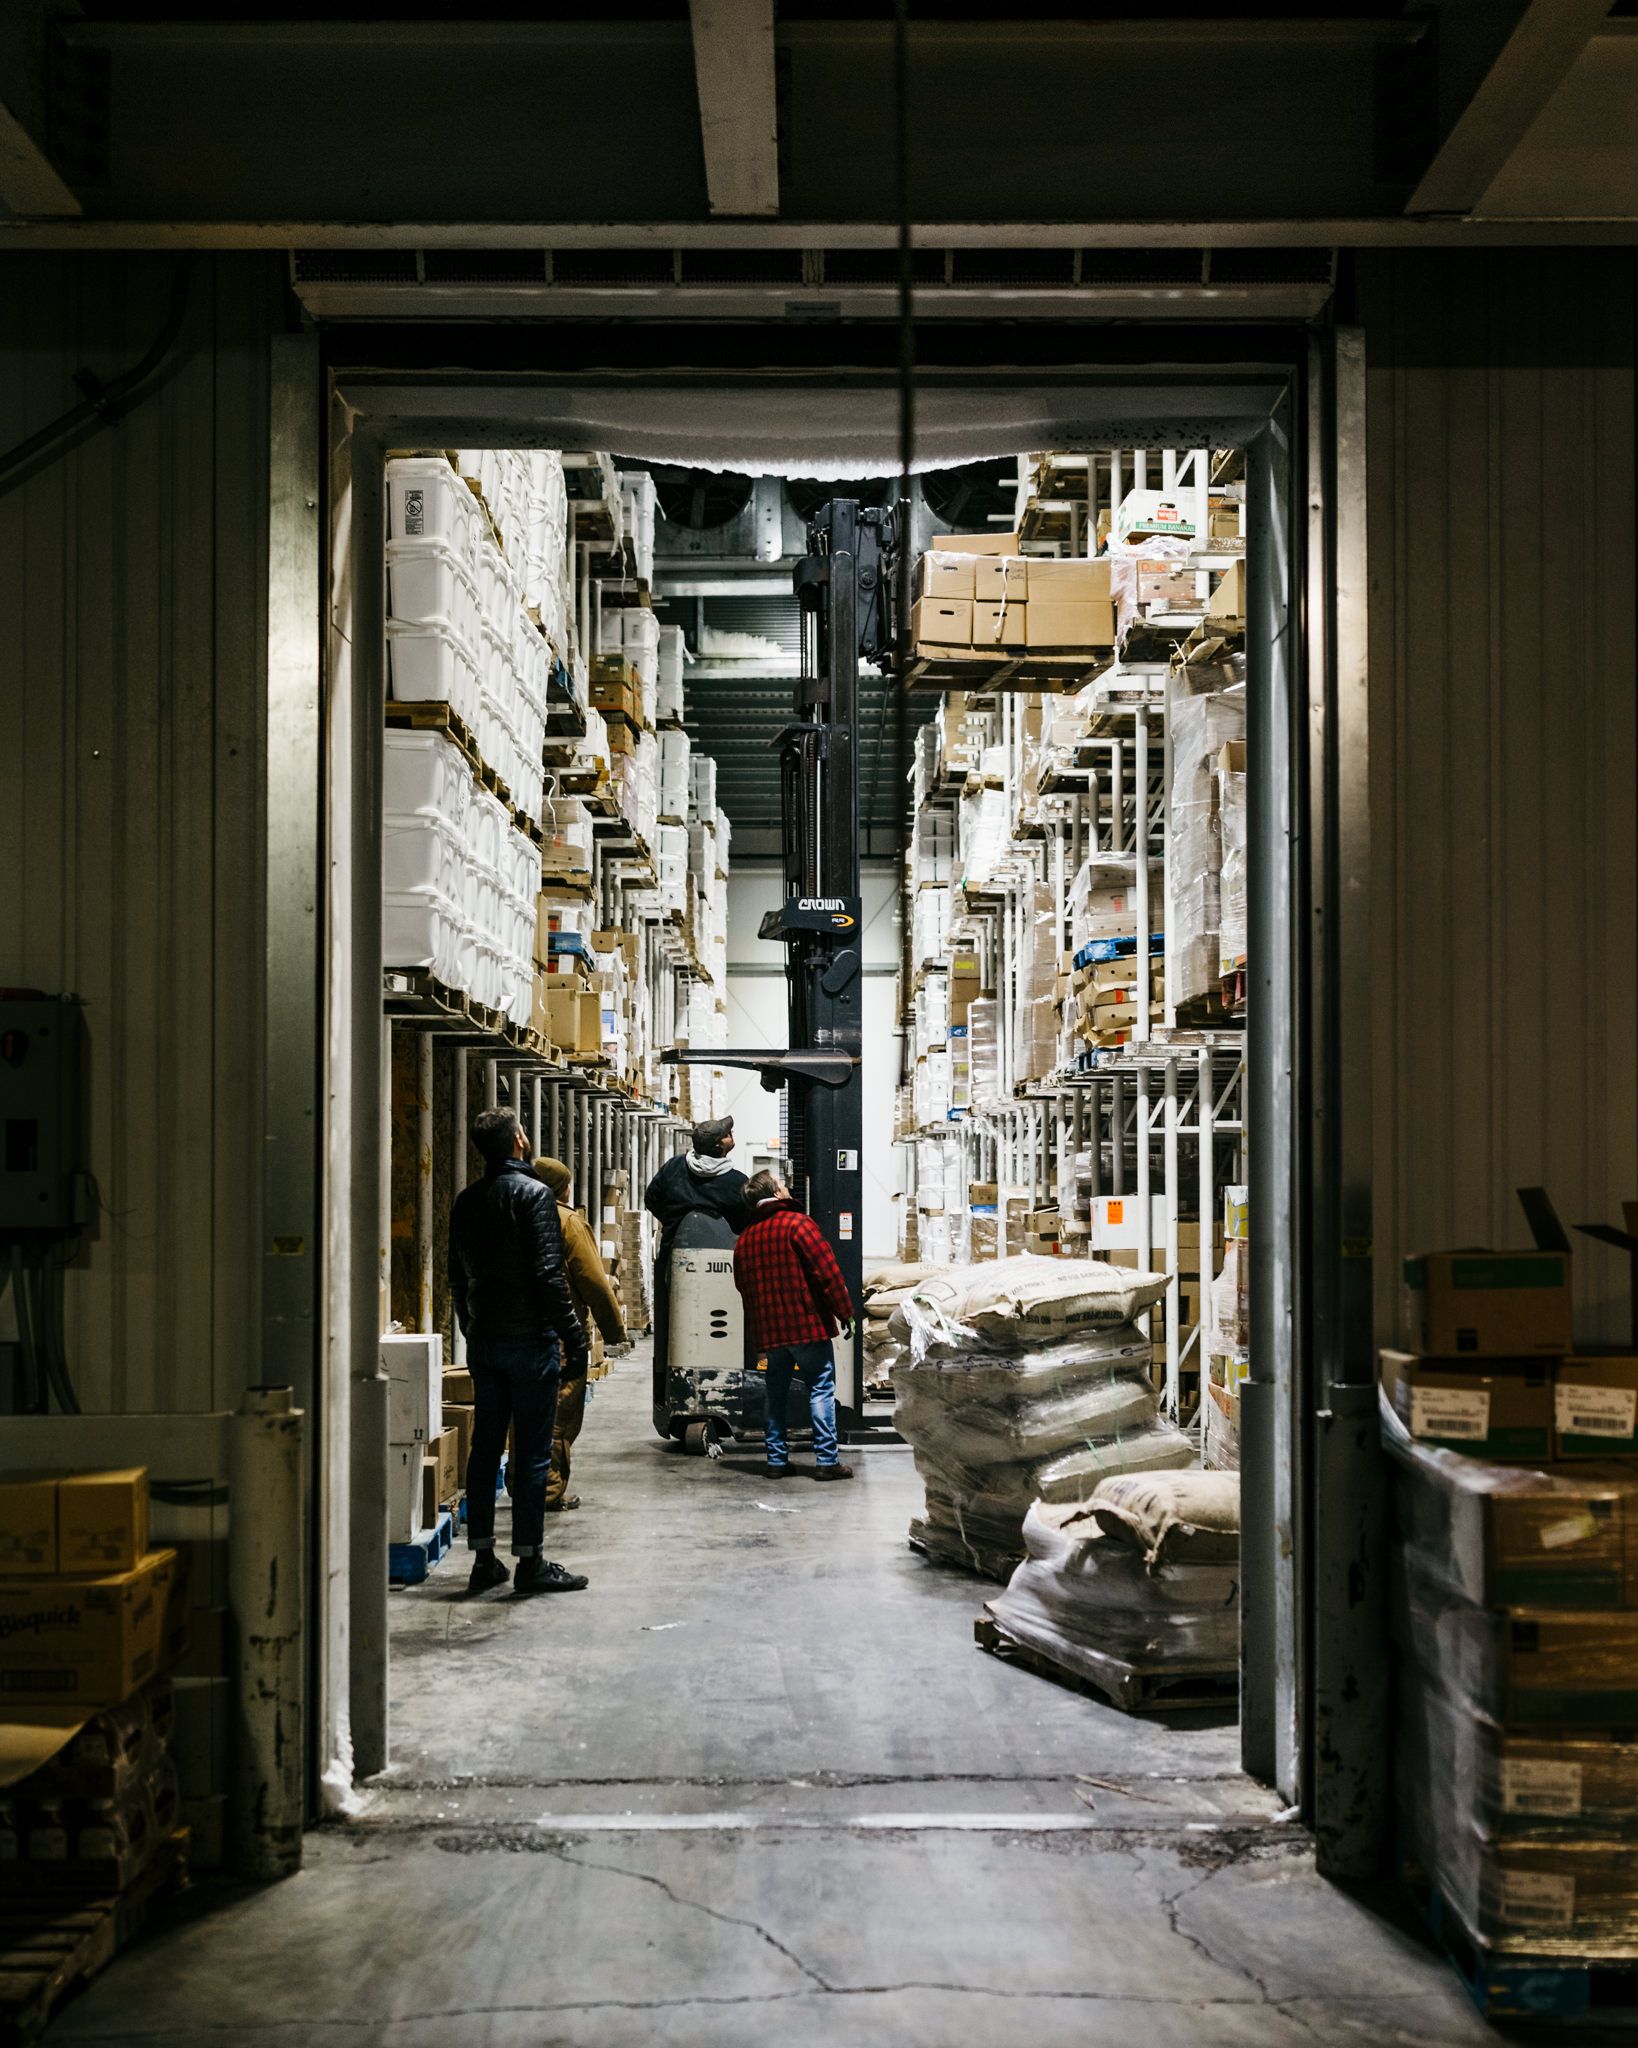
<point>599,1308</point>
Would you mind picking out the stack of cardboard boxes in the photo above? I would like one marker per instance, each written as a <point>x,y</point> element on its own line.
<point>978,595</point>
<point>1516,1603</point>
<point>92,1619</point>
<point>426,1460</point>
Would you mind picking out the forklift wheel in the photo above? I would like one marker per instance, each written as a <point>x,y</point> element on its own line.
<point>695,1438</point>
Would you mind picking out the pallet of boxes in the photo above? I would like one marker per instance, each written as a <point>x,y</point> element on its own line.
<point>93,1620</point>
<point>1515,1607</point>
<point>429,1440</point>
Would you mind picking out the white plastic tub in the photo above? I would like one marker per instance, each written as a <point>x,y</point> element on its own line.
<point>420,851</point>
<point>420,929</point>
<point>426,500</point>
<point>423,663</point>
<point>425,772</point>
<point>428,583</point>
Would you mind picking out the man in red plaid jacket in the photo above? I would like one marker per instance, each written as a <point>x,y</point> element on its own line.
<point>796,1300</point>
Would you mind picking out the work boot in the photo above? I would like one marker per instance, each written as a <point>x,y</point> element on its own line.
<point>833,1471</point>
<point>540,1575</point>
<point>777,1471</point>
<point>562,1507</point>
<point>487,1573</point>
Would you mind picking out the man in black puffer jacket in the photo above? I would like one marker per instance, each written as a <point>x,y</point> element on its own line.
<point>523,1333</point>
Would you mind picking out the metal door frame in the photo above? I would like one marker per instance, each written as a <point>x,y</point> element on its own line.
<point>1310,1720</point>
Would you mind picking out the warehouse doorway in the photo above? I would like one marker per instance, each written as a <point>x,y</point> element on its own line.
<point>1291,406</point>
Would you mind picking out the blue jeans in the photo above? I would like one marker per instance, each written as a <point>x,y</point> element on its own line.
<point>514,1385</point>
<point>815,1364</point>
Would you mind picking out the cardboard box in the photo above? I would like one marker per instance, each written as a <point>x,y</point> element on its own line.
<point>940,575</point>
<point>458,1387</point>
<point>429,1492</point>
<point>999,625</point>
<point>1504,1414</point>
<point>414,1365</point>
<point>102,1521</point>
<point>404,1462</point>
<point>1507,1535</point>
<point>976,544</point>
<point>92,1642</point>
<point>460,1420</point>
<point>1075,626</point>
<point>1595,1407</point>
<point>451,1468</point>
<point>28,1525</point>
<point>1228,600</point>
<point>575,1019</point>
<point>1482,1304</point>
<point>1237,1212</point>
<point>999,579</point>
<point>942,622</point>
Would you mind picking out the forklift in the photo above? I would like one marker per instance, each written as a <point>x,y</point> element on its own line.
<point>846,585</point>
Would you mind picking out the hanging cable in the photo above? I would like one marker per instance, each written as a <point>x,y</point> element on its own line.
<point>34,1386</point>
<point>48,1323</point>
<point>109,402</point>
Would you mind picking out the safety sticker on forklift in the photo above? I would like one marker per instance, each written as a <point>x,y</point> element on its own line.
<point>847,1162</point>
<point>845,1225</point>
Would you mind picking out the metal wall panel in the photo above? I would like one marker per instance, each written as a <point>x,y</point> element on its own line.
<point>132,573</point>
<point>1504,760</point>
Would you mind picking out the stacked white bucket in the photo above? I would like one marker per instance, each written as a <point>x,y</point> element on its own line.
<point>668,696</point>
<point>637,517</point>
<point>457,632</point>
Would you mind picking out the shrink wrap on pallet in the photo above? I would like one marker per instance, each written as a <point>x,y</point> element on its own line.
<point>1200,727</point>
<point>1025,1380</point>
<point>1094,1605</point>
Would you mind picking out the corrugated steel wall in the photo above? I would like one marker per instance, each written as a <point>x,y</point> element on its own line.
<point>1504,760</point>
<point>132,572</point>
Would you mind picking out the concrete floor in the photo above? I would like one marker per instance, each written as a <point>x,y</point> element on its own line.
<point>757,1784</point>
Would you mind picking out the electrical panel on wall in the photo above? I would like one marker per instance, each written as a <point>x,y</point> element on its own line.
<point>41,1093</point>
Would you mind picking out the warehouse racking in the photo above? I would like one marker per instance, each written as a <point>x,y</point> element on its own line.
<point>1048,781</point>
<point>556,863</point>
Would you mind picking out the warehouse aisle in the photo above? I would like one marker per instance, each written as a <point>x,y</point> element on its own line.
<point>756,1783</point>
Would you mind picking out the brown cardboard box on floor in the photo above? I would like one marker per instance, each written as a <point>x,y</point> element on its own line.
<point>460,1419</point>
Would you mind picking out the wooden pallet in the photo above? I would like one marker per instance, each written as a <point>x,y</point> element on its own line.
<point>1134,1688</point>
<point>979,674</point>
<point>51,1948</point>
<point>437,718</point>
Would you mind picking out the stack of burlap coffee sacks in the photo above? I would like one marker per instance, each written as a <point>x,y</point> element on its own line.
<point>885,1287</point>
<point>1516,1603</point>
<point>1023,1380</point>
<point>1142,1581</point>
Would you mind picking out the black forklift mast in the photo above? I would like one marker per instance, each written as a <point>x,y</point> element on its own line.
<point>845,585</point>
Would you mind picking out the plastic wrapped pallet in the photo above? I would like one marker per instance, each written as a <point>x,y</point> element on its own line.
<point>1095,1605</point>
<point>1199,727</point>
<point>1529,1840</point>
<point>1025,1380</point>
<point>1035,1036</point>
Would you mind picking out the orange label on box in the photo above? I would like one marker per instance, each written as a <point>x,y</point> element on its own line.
<point>1115,1212</point>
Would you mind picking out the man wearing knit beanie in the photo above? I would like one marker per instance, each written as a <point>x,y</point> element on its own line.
<point>599,1309</point>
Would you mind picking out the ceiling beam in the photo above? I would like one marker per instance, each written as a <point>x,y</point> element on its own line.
<point>734,77</point>
<point>29,182</point>
<point>1529,68</point>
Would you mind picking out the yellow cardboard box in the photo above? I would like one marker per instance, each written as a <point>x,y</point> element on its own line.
<point>28,1525</point>
<point>92,1642</point>
<point>102,1520</point>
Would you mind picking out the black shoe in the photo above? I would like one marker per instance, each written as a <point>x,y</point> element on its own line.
<point>833,1471</point>
<point>777,1471</point>
<point>540,1575</point>
<point>487,1573</point>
